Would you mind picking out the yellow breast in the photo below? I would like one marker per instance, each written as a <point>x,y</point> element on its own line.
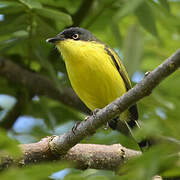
<point>91,72</point>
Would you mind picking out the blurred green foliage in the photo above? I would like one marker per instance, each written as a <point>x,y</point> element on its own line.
<point>144,33</point>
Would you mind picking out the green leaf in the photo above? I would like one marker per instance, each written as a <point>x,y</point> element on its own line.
<point>54,15</point>
<point>116,33</point>
<point>13,24</point>
<point>146,18</point>
<point>5,89</point>
<point>35,172</point>
<point>48,66</point>
<point>31,4</point>
<point>172,172</point>
<point>8,146</point>
<point>165,4</point>
<point>149,164</point>
<point>9,7</point>
<point>69,6</point>
<point>44,29</point>
<point>167,19</point>
<point>20,34</point>
<point>133,49</point>
<point>129,7</point>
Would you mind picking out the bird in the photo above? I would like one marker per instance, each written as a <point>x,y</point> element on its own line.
<point>97,74</point>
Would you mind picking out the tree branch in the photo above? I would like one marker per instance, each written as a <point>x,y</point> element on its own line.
<point>61,144</point>
<point>39,84</point>
<point>82,155</point>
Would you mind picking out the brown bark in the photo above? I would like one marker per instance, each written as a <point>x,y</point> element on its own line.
<point>82,155</point>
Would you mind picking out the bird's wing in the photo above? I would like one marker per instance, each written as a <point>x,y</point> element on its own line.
<point>132,109</point>
<point>122,71</point>
<point>119,66</point>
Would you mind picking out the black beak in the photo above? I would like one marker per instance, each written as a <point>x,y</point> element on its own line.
<point>54,39</point>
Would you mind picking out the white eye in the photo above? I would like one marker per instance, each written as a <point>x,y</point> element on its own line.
<point>75,36</point>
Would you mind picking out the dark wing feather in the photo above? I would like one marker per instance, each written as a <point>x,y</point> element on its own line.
<point>133,111</point>
<point>122,71</point>
<point>119,67</point>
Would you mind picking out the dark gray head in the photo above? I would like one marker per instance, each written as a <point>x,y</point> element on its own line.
<point>74,33</point>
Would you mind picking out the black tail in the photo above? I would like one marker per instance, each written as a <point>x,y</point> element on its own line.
<point>126,127</point>
<point>143,143</point>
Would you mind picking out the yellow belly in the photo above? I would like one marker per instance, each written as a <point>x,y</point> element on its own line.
<point>93,76</point>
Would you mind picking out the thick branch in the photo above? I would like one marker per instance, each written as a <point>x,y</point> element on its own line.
<point>61,144</point>
<point>39,84</point>
<point>99,156</point>
<point>82,155</point>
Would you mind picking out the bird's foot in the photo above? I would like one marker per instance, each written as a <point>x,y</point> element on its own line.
<point>93,113</point>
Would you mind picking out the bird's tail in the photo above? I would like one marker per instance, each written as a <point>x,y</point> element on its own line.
<point>125,126</point>
<point>144,143</point>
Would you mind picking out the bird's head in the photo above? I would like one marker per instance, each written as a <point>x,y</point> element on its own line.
<point>74,41</point>
<point>73,33</point>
